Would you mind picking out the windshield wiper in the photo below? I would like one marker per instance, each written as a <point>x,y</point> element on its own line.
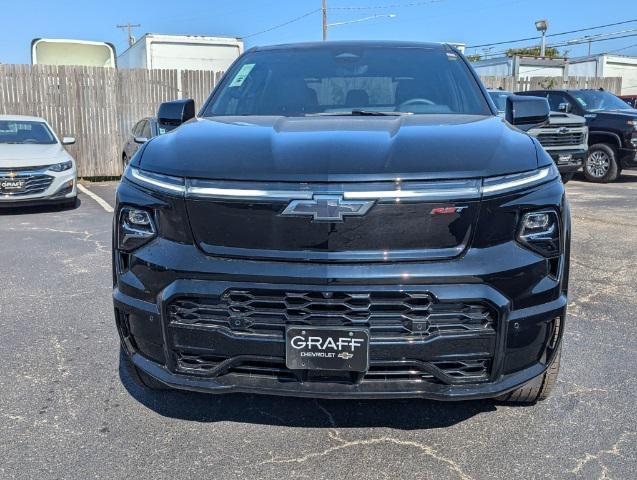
<point>360,113</point>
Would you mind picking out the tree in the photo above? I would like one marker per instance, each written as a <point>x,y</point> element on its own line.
<point>550,52</point>
<point>474,57</point>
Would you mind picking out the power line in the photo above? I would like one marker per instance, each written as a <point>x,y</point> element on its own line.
<point>394,5</point>
<point>553,34</point>
<point>280,25</point>
<point>571,42</point>
<point>621,49</point>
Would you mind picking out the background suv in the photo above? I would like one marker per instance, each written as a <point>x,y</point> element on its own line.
<point>612,125</point>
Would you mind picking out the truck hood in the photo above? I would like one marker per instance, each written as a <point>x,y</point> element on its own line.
<point>28,155</point>
<point>325,149</point>
<point>563,119</point>
<point>630,114</point>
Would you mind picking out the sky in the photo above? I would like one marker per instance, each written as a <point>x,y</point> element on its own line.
<point>468,21</point>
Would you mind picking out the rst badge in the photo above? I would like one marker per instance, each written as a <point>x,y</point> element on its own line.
<point>327,208</point>
<point>327,348</point>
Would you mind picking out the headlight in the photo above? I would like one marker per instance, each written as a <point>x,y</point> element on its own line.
<point>135,228</point>
<point>155,181</point>
<point>509,183</point>
<point>61,167</point>
<point>540,231</point>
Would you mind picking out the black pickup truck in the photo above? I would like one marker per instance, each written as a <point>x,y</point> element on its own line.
<point>345,220</point>
<point>612,126</point>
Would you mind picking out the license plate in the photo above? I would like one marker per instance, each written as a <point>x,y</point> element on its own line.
<point>11,185</point>
<point>318,348</point>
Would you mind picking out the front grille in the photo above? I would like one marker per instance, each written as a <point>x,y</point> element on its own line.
<point>561,139</point>
<point>386,314</point>
<point>456,371</point>
<point>34,184</point>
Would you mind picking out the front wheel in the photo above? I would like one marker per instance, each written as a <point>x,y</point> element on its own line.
<point>138,377</point>
<point>601,165</point>
<point>537,389</point>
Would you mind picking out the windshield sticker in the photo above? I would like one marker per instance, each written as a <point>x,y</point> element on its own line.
<point>241,75</point>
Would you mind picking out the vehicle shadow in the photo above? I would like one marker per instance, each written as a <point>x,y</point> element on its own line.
<point>414,414</point>
<point>53,208</point>
<point>627,176</point>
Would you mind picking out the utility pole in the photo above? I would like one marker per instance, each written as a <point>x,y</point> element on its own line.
<point>324,20</point>
<point>129,26</point>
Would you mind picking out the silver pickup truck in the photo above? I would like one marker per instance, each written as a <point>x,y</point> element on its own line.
<point>565,137</point>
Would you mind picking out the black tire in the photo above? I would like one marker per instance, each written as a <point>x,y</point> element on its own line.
<point>567,177</point>
<point>138,377</point>
<point>600,165</point>
<point>537,389</point>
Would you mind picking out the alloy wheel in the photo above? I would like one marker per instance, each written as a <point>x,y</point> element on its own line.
<point>598,163</point>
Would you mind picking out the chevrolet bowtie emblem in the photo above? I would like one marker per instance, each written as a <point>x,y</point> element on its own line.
<point>345,355</point>
<point>327,208</point>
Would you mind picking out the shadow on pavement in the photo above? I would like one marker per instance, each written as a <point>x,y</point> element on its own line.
<point>303,412</point>
<point>625,177</point>
<point>52,208</point>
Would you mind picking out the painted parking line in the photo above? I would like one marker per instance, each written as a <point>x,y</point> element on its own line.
<point>103,203</point>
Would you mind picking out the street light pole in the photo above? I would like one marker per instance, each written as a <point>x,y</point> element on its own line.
<point>542,26</point>
<point>324,20</point>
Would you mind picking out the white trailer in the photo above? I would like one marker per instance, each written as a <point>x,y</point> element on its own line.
<point>605,65</point>
<point>521,66</point>
<point>181,52</point>
<point>57,51</point>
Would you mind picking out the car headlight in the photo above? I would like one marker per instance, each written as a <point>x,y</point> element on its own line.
<point>61,167</point>
<point>510,183</point>
<point>540,231</point>
<point>135,228</point>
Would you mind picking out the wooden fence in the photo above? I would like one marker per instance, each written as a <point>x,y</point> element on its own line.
<point>99,106</point>
<point>511,84</point>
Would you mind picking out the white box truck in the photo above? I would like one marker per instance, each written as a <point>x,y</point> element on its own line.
<point>181,52</point>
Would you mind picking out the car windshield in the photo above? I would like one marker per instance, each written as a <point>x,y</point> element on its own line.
<point>597,100</point>
<point>500,99</point>
<point>21,131</point>
<point>345,80</point>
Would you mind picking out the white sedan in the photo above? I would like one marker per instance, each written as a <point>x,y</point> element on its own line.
<point>34,166</point>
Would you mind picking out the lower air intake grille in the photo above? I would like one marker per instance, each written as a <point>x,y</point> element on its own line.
<point>456,371</point>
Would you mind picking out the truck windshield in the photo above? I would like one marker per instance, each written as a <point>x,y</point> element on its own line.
<point>18,131</point>
<point>359,80</point>
<point>597,100</point>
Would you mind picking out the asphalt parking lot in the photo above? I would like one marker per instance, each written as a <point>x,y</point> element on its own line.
<point>68,411</point>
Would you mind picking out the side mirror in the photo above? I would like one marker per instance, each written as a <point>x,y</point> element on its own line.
<point>564,107</point>
<point>527,112</point>
<point>140,140</point>
<point>176,112</point>
<point>68,140</point>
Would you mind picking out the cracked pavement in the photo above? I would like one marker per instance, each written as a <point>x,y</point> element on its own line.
<point>68,411</point>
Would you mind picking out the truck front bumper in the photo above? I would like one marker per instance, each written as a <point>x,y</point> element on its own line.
<point>568,161</point>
